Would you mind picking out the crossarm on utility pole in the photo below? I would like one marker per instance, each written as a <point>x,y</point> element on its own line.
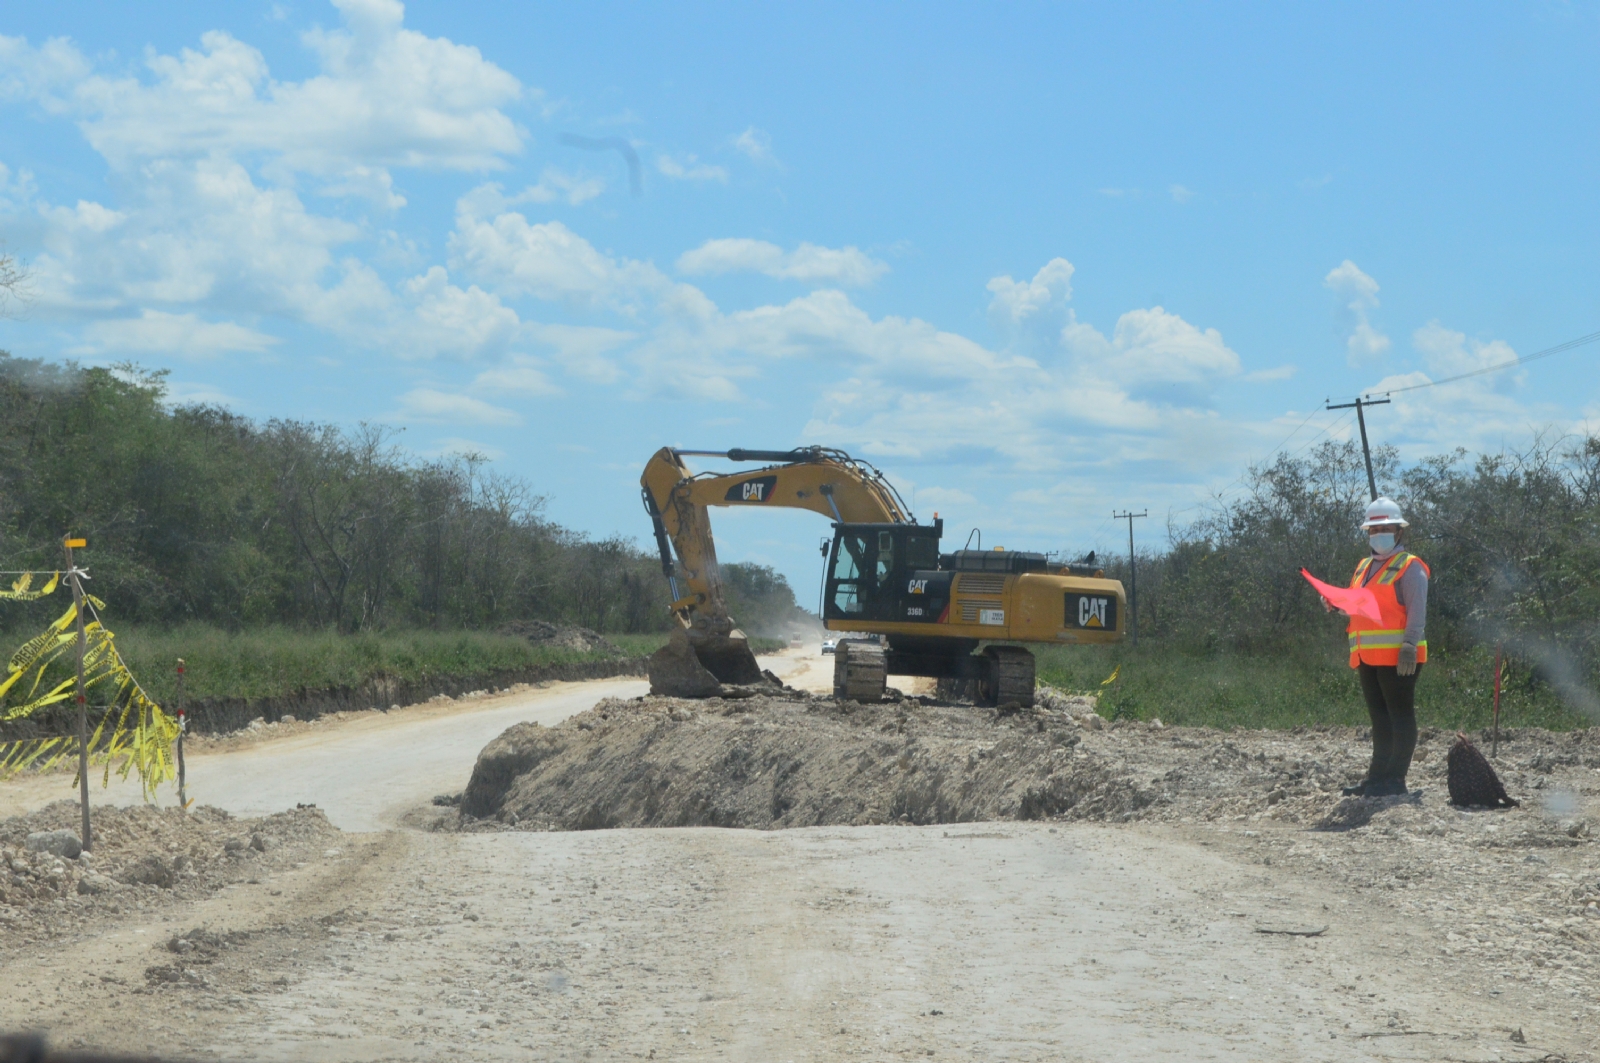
<point>1366,451</point>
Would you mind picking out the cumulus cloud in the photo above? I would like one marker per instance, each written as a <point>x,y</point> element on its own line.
<point>690,168</point>
<point>848,266</point>
<point>755,145</point>
<point>429,405</point>
<point>180,335</point>
<point>385,97</point>
<point>520,375</point>
<point>1359,295</point>
<point>1014,303</point>
<point>547,260</point>
<point>212,153</point>
<point>1481,413</point>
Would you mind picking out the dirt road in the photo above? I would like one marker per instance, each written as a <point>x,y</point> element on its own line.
<point>1017,941</point>
<point>366,772</point>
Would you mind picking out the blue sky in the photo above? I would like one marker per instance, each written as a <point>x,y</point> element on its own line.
<point>1035,261</point>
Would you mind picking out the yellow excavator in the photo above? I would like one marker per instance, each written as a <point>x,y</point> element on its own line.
<point>886,577</point>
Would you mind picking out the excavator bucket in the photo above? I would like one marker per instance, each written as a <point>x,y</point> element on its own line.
<point>697,667</point>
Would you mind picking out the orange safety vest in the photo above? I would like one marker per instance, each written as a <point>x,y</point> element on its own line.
<point>1378,641</point>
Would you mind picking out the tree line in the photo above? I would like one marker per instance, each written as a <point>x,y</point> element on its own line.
<point>1513,540</point>
<point>194,513</point>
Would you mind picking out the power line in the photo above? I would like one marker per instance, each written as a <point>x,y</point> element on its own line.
<point>1547,352</point>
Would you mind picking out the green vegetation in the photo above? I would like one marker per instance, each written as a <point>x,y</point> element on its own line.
<point>1231,634</point>
<point>269,661</point>
<point>1226,689</point>
<point>283,556</point>
<point>272,661</point>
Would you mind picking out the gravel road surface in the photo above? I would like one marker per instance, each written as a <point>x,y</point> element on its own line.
<point>1014,941</point>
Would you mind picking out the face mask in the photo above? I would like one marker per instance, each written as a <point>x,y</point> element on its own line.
<point>1382,542</point>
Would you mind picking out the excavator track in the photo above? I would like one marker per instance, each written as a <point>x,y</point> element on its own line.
<point>860,671</point>
<point>1008,676</point>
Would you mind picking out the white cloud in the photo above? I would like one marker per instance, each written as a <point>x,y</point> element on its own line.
<point>1480,413</point>
<point>1180,194</point>
<point>808,262</point>
<point>180,335</point>
<point>690,169</point>
<point>1014,302</point>
<point>756,145</point>
<point>385,97</point>
<point>450,320</point>
<point>554,185</point>
<point>522,375</point>
<point>582,350</point>
<point>1265,376</point>
<point>431,405</point>
<point>547,261</point>
<point>211,149</point>
<point>1360,295</point>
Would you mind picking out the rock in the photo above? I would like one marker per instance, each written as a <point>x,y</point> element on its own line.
<point>1518,1037</point>
<point>288,719</point>
<point>92,885</point>
<point>233,845</point>
<point>62,843</point>
<point>150,870</point>
<point>262,842</point>
<point>1092,721</point>
<point>257,724</point>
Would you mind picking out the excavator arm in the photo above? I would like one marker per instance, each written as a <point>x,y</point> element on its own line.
<point>829,482</point>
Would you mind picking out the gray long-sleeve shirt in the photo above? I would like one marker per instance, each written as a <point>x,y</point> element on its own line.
<point>1411,591</point>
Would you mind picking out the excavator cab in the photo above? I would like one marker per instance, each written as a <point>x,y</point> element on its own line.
<point>885,573</point>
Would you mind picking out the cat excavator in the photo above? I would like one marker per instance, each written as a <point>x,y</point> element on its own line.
<point>925,612</point>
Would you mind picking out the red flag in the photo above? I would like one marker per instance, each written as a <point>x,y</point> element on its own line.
<point>1353,601</point>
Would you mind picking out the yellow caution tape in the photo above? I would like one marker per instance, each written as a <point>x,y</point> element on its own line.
<point>19,591</point>
<point>1112,678</point>
<point>133,732</point>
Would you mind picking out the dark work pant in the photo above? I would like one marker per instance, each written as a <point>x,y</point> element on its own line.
<point>1391,702</point>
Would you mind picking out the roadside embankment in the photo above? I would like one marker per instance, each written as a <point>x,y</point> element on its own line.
<point>222,715</point>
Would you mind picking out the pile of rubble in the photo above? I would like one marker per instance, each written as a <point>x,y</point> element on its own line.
<point>787,759</point>
<point>141,858</point>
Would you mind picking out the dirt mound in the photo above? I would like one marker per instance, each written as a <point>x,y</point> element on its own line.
<point>140,856</point>
<point>566,637</point>
<point>792,759</point>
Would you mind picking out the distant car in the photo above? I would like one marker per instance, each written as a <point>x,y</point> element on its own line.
<point>829,645</point>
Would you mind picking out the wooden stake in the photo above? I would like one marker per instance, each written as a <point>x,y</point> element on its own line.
<point>1494,750</point>
<point>183,726</point>
<point>83,706</point>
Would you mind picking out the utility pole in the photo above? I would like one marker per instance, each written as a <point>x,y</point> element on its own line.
<point>1133,573</point>
<point>83,708</point>
<point>1366,451</point>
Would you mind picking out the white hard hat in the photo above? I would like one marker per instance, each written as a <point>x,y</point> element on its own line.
<point>1384,511</point>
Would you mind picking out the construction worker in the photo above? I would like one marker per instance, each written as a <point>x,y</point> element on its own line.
<point>1389,653</point>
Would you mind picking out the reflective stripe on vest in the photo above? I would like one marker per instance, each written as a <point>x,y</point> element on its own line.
<point>1378,641</point>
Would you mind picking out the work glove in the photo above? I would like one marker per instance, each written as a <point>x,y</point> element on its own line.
<point>1408,660</point>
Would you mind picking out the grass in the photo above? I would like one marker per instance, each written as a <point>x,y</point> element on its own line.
<point>1315,686</point>
<point>270,661</point>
